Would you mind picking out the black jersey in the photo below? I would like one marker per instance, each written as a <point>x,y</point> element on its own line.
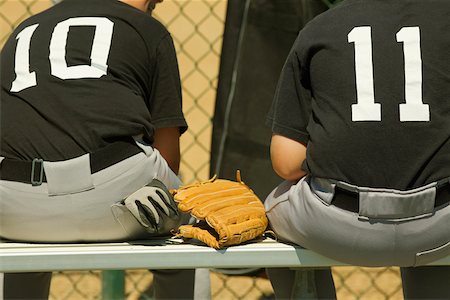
<point>83,74</point>
<point>367,88</point>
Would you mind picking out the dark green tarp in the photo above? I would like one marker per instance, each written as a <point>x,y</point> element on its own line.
<point>257,39</point>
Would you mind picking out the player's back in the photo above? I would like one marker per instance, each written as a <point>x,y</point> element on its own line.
<point>379,71</point>
<point>77,77</point>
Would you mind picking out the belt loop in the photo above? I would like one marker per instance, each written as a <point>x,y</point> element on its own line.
<point>41,171</point>
<point>323,188</point>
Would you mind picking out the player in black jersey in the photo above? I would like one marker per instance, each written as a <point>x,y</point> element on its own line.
<point>361,133</point>
<point>91,112</point>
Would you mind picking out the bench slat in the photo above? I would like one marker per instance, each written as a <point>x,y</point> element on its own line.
<point>157,254</point>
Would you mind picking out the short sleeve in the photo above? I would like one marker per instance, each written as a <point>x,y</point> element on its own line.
<point>165,102</point>
<point>291,107</point>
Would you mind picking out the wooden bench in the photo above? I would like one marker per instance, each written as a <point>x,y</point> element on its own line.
<point>156,254</point>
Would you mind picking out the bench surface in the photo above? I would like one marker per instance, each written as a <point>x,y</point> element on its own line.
<point>157,254</point>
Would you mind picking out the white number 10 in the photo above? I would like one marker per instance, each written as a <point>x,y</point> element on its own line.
<point>99,53</point>
<point>366,109</point>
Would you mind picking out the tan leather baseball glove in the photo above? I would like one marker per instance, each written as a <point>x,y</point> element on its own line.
<point>229,212</point>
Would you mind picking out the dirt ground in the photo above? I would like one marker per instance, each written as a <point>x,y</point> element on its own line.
<point>351,283</point>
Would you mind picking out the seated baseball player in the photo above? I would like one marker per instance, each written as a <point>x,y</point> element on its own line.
<point>91,117</point>
<point>361,133</point>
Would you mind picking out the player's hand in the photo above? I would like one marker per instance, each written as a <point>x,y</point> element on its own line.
<point>154,207</point>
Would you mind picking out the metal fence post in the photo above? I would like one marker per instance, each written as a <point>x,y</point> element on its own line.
<point>113,285</point>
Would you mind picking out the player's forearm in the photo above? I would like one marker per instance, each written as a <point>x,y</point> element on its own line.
<point>293,174</point>
<point>287,157</point>
<point>167,141</point>
<point>173,162</point>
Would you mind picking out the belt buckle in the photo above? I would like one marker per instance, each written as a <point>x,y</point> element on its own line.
<point>41,171</point>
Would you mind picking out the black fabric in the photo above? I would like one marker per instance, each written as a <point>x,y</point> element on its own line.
<point>271,29</point>
<point>426,282</point>
<point>23,171</point>
<point>38,286</point>
<point>318,88</point>
<point>57,119</point>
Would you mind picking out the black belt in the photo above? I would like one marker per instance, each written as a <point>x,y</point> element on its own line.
<point>33,171</point>
<point>349,200</point>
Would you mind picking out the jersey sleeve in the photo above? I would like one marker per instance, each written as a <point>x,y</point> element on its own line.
<point>291,107</point>
<point>165,100</point>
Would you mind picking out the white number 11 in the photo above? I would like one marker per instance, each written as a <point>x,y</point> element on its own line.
<point>366,109</point>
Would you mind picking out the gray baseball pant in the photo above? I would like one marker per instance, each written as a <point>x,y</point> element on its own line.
<point>400,229</point>
<point>77,206</point>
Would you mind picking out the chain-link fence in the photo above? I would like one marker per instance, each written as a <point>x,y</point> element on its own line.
<point>197,28</point>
